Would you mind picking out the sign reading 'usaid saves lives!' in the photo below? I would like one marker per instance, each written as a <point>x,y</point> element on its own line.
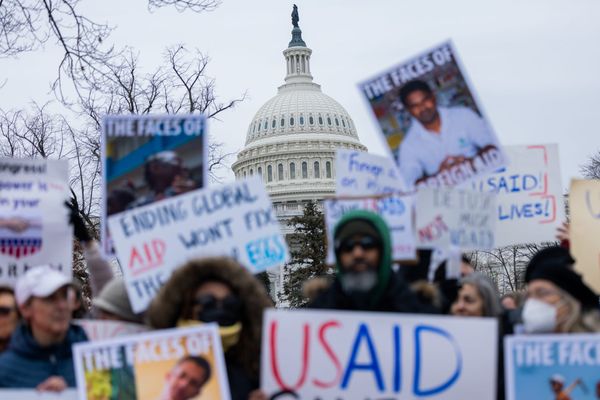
<point>237,220</point>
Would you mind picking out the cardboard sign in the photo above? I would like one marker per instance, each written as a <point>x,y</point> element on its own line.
<point>529,195</point>
<point>395,210</point>
<point>96,329</point>
<point>236,220</point>
<point>455,217</point>
<point>584,203</point>
<point>362,174</point>
<point>552,367</point>
<point>147,158</point>
<point>32,394</point>
<point>432,120</point>
<point>357,355</point>
<point>34,221</point>
<point>147,366</point>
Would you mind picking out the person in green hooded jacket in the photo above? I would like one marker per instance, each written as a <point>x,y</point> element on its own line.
<point>364,278</point>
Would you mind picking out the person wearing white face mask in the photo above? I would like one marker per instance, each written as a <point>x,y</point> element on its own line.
<point>558,301</point>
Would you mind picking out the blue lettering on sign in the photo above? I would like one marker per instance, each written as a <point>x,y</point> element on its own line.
<point>363,166</point>
<point>391,205</point>
<point>363,334</point>
<point>265,252</point>
<point>510,184</point>
<point>417,389</point>
<point>524,210</point>
<point>588,202</point>
<point>348,182</point>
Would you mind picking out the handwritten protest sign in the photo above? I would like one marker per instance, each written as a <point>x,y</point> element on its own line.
<point>455,217</point>
<point>34,221</point>
<point>236,220</point>
<point>552,366</point>
<point>358,173</point>
<point>357,355</point>
<point>432,120</point>
<point>32,394</point>
<point>147,366</point>
<point>584,203</point>
<point>103,329</point>
<point>395,210</point>
<point>147,158</point>
<point>529,195</point>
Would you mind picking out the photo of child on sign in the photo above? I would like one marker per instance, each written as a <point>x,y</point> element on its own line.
<point>431,120</point>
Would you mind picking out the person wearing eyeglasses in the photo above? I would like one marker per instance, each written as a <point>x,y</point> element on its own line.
<point>9,318</point>
<point>364,278</point>
<point>558,301</point>
<point>39,354</point>
<point>218,290</point>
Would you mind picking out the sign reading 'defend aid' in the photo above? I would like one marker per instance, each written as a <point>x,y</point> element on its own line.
<point>552,367</point>
<point>432,121</point>
<point>455,217</point>
<point>529,195</point>
<point>236,220</point>
<point>395,210</point>
<point>34,220</point>
<point>358,173</point>
<point>340,355</point>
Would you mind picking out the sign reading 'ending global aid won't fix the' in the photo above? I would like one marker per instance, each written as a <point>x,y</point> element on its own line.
<point>237,220</point>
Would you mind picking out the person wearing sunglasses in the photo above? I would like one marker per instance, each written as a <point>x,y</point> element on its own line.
<point>364,278</point>
<point>218,290</point>
<point>9,318</point>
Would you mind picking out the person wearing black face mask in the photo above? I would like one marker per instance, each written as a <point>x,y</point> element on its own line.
<point>222,291</point>
<point>364,278</point>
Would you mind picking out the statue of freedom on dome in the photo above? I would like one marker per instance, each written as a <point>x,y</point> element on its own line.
<point>295,17</point>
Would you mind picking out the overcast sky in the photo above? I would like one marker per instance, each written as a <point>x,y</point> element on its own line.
<point>535,64</point>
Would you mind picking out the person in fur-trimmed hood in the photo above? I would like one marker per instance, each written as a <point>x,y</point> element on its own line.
<point>218,290</point>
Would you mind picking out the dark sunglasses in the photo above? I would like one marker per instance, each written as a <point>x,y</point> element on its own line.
<point>4,311</point>
<point>366,243</point>
<point>210,302</point>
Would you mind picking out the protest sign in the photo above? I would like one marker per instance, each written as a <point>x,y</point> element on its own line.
<point>455,217</point>
<point>32,394</point>
<point>358,173</point>
<point>432,120</point>
<point>584,203</point>
<point>358,355</point>
<point>552,366</point>
<point>147,366</point>
<point>529,195</point>
<point>147,158</point>
<point>34,220</point>
<point>96,329</point>
<point>236,220</point>
<point>395,210</point>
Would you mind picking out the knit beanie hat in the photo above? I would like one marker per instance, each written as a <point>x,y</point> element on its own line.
<point>113,298</point>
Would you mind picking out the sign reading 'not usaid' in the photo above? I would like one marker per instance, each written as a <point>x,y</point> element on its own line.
<point>237,220</point>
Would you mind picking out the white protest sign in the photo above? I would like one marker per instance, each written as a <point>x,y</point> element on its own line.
<point>358,173</point>
<point>236,220</point>
<point>96,329</point>
<point>34,221</point>
<point>543,366</point>
<point>451,216</point>
<point>357,355</point>
<point>529,195</point>
<point>32,394</point>
<point>149,366</point>
<point>395,210</point>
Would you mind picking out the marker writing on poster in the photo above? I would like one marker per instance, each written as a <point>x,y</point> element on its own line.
<point>590,206</point>
<point>22,168</point>
<point>136,222</point>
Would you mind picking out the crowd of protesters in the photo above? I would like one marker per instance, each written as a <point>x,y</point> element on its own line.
<point>36,316</point>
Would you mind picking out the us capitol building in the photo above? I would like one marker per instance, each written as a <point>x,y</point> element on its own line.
<point>292,139</point>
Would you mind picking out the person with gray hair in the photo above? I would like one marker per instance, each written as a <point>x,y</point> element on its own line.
<point>477,297</point>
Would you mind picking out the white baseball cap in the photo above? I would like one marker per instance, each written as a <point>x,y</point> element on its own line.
<point>39,281</point>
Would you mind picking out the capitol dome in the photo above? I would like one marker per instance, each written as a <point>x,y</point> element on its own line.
<point>292,139</point>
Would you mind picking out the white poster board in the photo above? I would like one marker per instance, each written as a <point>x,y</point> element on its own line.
<point>395,210</point>
<point>529,195</point>
<point>455,217</point>
<point>543,366</point>
<point>32,394</point>
<point>34,221</point>
<point>358,173</point>
<point>96,329</point>
<point>357,355</point>
<point>237,220</point>
<point>151,365</point>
